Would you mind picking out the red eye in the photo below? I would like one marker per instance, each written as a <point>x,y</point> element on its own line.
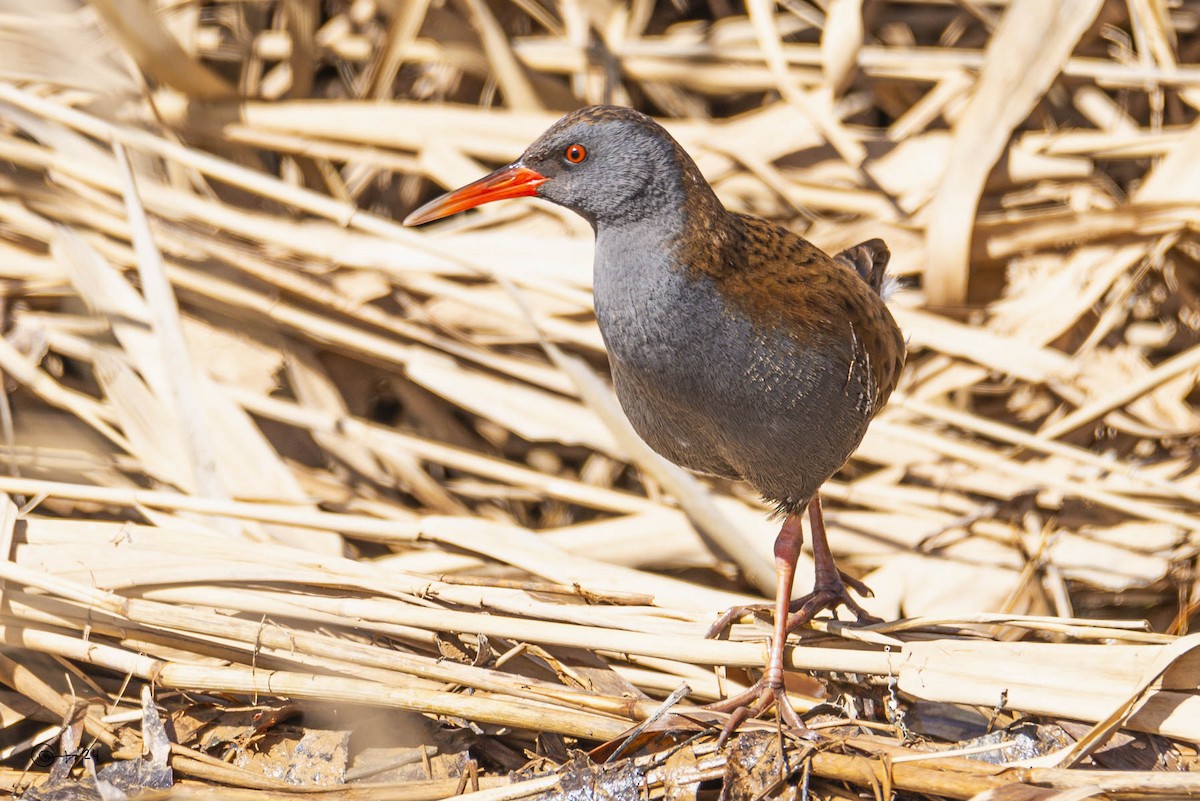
<point>575,153</point>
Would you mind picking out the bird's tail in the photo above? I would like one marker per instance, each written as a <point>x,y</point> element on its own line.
<point>870,260</point>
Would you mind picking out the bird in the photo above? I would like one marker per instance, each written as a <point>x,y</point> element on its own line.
<point>737,348</point>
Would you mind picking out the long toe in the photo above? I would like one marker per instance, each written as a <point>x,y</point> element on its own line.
<point>731,615</point>
<point>856,585</point>
<point>752,703</point>
<point>829,598</point>
<point>739,715</point>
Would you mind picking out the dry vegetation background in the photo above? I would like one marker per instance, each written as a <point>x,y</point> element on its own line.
<point>356,501</point>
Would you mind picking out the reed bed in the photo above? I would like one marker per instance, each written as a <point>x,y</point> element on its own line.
<point>352,506</point>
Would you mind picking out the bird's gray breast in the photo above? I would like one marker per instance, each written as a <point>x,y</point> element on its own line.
<point>710,390</point>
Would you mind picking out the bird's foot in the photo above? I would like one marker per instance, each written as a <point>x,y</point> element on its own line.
<point>753,702</point>
<point>830,596</point>
<point>829,593</point>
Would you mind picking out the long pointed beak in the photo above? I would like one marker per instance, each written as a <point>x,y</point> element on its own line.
<point>511,181</point>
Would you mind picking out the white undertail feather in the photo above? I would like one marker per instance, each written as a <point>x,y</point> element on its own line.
<point>891,284</point>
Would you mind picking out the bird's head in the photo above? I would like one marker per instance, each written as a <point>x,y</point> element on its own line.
<point>607,163</point>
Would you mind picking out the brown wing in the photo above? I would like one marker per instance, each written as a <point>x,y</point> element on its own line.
<point>870,260</point>
<point>783,281</point>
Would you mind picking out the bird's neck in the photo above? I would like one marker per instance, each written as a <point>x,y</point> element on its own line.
<point>707,237</point>
<point>680,225</point>
<point>707,229</point>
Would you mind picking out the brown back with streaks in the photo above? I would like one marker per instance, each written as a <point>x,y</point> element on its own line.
<point>781,281</point>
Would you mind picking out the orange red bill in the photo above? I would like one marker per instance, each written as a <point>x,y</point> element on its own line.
<point>506,182</point>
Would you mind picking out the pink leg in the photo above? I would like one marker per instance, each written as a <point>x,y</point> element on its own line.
<point>829,589</point>
<point>829,592</point>
<point>769,688</point>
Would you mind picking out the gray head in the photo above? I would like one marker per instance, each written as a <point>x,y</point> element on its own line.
<point>609,164</point>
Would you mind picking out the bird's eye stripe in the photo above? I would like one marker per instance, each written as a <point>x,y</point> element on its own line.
<point>575,153</point>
